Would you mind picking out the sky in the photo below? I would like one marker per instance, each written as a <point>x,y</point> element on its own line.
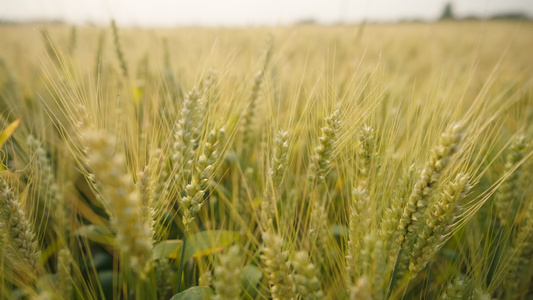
<point>155,13</point>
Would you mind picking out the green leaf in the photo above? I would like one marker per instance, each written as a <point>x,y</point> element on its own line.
<point>251,275</point>
<point>106,282</point>
<point>194,293</point>
<point>166,249</point>
<point>208,242</point>
<point>102,260</point>
<point>47,252</point>
<point>5,134</point>
<point>201,244</point>
<point>340,230</point>
<point>95,233</point>
<point>8,131</point>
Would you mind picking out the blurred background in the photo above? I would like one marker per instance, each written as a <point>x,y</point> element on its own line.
<point>170,13</point>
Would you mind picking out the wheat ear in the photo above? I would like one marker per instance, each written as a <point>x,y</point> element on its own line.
<point>418,200</point>
<point>227,275</point>
<point>16,230</point>
<point>122,199</point>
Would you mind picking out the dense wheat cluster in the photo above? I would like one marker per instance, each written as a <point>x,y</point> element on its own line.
<point>305,162</point>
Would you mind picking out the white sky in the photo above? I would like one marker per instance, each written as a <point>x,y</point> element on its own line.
<point>245,12</point>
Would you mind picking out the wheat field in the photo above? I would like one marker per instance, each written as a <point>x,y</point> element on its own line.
<point>372,161</point>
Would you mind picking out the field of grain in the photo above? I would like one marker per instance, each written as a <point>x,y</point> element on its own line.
<point>373,161</point>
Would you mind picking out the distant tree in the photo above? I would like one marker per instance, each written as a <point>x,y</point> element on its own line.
<point>510,16</point>
<point>447,13</point>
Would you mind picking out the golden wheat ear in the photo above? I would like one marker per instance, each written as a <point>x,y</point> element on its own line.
<point>228,274</point>
<point>122,199</point>
<point>509,190</point>
<point>439,158</point>
<point>17,235</point>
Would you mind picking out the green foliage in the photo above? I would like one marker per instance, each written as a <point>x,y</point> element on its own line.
<point>194,293</point>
